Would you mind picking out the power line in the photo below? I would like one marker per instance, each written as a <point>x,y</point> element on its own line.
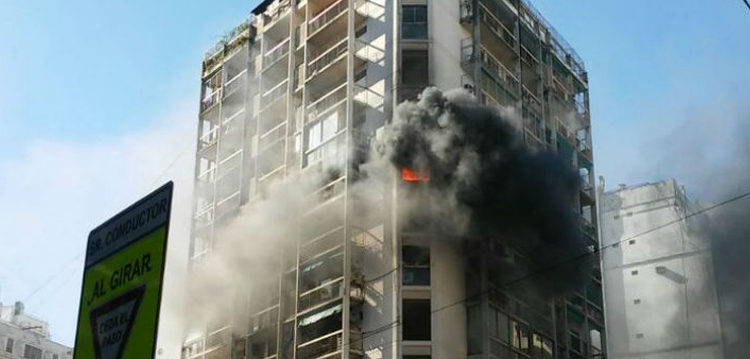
<point>747,4</point>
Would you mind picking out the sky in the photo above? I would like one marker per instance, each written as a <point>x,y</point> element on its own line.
<point>98,106</point>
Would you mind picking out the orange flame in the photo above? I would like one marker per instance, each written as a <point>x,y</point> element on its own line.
<point>410,175</point>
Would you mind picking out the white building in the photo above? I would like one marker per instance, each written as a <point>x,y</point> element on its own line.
<point>23,336</point>
<point>660,296</point>
<point>308,83</point>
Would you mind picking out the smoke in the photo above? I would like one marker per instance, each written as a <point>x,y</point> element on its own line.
<point>710,153</point>
<point>485,183</point>
<point>728,229</point>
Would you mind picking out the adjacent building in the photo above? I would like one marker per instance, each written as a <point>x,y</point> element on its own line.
<point>659,283</point>
<point>23,336</point>
<point>306,84</point>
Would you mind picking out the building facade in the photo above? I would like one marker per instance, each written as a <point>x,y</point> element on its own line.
<point>307,84</point>
<point>23,336</point>
<point>659,284</point>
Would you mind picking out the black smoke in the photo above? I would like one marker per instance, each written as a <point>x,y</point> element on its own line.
<point>484,182</point>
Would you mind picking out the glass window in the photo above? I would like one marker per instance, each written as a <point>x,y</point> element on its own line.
<point>416,265</point>
<point>9,345</point>
<point>31,352</point>
<point>414,22</point>
<point>502,326</point>
<point>474,325</point>
<point>414,67</point>
<point>417,319</point>
<point>520,339</point>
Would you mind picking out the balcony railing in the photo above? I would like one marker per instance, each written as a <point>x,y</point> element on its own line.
<point>234,84</point>
<point>499,93</point>
<point>497,69</point>
<point>327,57</point>
<point>326,16</point>
<point>210,99</point>
<point>326,102</point>
<point>275,93</point>
<point>321,294</point>
<point>208,139</point>
<point>497,27</point>
<point>276,53</point>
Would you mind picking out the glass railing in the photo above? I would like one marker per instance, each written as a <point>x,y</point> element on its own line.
<point>326,16</point>
<point>326,57</point>
<point>276,53</point>
<point>210,99</point>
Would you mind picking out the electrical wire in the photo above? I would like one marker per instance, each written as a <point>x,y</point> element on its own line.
<point>747,4</point>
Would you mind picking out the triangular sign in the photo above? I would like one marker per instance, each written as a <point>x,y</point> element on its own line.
<point>111,323</point>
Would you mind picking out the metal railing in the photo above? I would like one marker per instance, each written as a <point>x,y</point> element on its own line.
<point>275,93</point>
<point>497,69</point>
<point>326,102</point>
<point>497,27</point>
<point>499,93</point>
<point>327,57</point>
<point>275,53</point>
<point>326,16</point>
<point>237,82</point>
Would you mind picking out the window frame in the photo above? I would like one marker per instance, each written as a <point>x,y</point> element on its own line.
<point>411,12</point>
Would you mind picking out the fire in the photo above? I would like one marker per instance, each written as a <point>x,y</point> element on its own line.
<point>410,175</point>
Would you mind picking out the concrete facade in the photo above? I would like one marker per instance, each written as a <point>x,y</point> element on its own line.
<point>660,295</point>
<point>23,336</point>
<point>299,65</point>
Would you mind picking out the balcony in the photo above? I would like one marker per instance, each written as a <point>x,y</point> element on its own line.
<point>210,99</point>
<point>330,346</point>
<point>271,96</point>
<point>499,93</point>
<point>327,58</point>
<point>327,102</point>
<point>235,84</point>
<point>208,140</point>
<point>501,32</point>
<point>326,17</point>
<point>275,54</point>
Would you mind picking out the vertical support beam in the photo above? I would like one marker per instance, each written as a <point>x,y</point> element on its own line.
<point>485,304</point>
<point>351,46</point>
<point>476,44</point>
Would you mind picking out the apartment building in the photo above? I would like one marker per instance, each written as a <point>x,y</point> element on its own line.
<point>658,276</point>
<point>27,337</point>
<point>305,85</point>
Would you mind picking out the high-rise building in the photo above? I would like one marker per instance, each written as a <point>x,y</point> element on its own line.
<point>658,279</point>
<point>24,336</point>
<point>307,84</point>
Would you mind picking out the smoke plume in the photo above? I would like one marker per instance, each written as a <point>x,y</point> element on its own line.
<point>483,182</point>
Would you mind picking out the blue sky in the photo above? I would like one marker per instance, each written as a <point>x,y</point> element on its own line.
<point>86,82</point>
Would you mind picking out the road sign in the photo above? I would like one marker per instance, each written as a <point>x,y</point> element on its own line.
<point>118,314</point>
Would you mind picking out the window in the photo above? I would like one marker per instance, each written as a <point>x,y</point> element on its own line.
<point>9,345</point>
<point>55,356</point>
<point>520,336</point>
<point>414,22</point>
<point>414,67</point>
<point>636,301</point>
<point>322,131</point>
<point>635,272</point>
<point>416,265</point>
<point>631,242</point>
<point>31,352</point>
<point>417,324</point>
